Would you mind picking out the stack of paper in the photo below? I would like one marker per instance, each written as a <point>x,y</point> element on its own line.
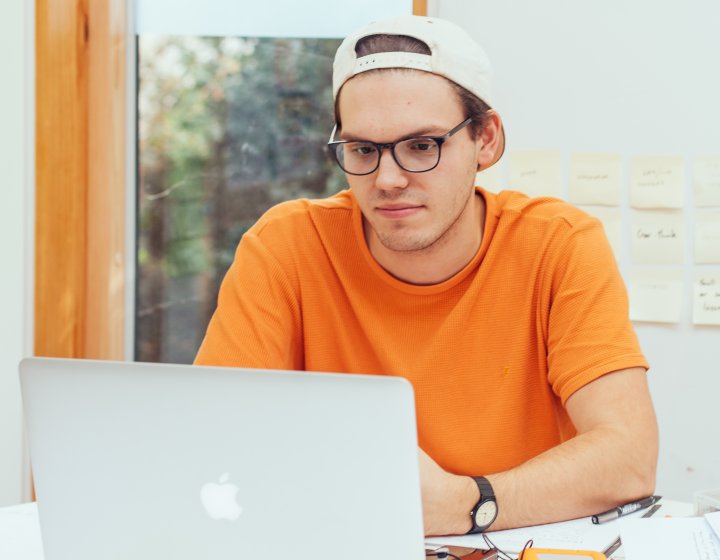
<point>691,538</point>
<point>578,534</point>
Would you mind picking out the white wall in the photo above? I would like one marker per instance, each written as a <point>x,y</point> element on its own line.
<point>15,239</point>
<point>632,78</point>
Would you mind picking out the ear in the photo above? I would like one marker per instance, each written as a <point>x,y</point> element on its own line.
<point>488,142</point>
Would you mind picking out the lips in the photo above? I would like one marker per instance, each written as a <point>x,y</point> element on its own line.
<point>395,211</point>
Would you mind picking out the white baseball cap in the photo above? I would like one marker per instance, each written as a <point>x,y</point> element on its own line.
<point>454,55</point>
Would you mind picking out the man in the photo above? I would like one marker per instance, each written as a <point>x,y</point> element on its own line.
<point>506,313</point>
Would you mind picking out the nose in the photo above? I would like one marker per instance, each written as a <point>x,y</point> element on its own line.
<point>389,174</point>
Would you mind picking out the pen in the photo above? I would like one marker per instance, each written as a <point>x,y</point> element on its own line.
<point>627,509</point>
<point>610,550</point>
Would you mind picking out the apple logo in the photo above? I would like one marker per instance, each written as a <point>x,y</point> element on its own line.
<point>220,500</point>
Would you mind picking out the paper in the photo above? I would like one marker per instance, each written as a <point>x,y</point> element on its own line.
<point>706,179</point>
<point>657,182</point>
<point>611,219</point>
<point>707,237</point>
<point>714,520</point>
<point>689,538</point>
<point>578,534</point>
<point>20,533</point>
<point>595,179</point>
<point>535,172</point>
<point>656,295</point>
<point>706,299</point>
<point>658,237</point>
<point>491,179</point>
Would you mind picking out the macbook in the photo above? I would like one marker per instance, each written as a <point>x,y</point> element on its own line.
<point>147,461</point>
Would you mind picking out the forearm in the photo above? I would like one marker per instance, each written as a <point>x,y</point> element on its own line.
<point>612,460</point>
<point>585,475</point>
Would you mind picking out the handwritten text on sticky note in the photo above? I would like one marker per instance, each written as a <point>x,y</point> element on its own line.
<point>706,304</point>
<point>535,172</point>
<point>595,179</point>
<point>657,182</point>
<point>658,237</point>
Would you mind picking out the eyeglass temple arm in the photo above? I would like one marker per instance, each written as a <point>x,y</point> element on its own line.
<point>456,129</point>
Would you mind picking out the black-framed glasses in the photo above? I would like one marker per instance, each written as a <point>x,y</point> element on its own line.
<point>415,154</point>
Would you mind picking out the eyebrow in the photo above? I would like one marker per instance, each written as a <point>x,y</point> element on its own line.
<point>425,131</point>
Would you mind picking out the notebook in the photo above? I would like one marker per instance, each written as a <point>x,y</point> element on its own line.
<point>147,461</point>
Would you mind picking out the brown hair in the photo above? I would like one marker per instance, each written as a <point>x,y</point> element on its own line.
<point>473,106</point>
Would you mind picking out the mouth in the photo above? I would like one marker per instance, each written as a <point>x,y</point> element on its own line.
<point>395,211</point>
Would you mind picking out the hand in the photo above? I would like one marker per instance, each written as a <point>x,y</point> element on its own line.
<point>447,498</point>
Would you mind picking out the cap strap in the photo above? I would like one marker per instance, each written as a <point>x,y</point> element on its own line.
<point>415,61</point>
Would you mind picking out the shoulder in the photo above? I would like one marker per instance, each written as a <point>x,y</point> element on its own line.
<point>303,216</point>
<point>542,212</point>
<point>296,237</point>
<point>527,229</point>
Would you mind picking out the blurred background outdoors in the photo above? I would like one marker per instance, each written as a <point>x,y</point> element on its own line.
<point>227,128</point>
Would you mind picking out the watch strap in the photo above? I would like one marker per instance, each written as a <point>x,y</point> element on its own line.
<point>487,494</point>
<point>486,489</point>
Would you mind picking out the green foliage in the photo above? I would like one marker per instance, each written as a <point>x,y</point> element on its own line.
<point>228,127</point>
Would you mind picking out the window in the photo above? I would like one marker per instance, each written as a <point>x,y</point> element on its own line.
<point>233,116</point>
<point>228,127</point>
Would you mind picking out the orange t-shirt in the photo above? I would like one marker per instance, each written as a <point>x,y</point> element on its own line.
<point>492,353</point>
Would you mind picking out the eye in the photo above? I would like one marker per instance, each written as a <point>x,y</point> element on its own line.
<point>421,145</point>
<point>359,149</point>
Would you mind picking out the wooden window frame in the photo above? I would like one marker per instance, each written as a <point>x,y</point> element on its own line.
<point>80,185</point>
<point>80,170</point>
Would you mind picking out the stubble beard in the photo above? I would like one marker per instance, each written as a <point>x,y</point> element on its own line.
<point>416,242</point>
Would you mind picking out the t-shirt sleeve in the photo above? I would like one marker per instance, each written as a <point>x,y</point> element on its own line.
<point>257,320</point>
<point>589,333</point>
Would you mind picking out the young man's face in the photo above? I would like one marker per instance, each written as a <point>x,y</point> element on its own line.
<point>411,212</point>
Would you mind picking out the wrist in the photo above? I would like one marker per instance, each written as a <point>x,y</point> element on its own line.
<point>485,511</point>
<point>466,494</point>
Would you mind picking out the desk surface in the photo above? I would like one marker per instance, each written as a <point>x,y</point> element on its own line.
<point>20,533</point>
<point>20,529</point>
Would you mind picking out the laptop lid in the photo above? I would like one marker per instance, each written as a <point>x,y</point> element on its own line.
<point>147,461</point>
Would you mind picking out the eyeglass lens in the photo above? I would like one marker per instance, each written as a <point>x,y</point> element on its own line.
<point>413,154</point>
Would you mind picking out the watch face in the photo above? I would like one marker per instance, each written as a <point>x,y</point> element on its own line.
<point>485,513</point>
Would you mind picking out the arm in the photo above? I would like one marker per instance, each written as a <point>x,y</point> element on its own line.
<point>257,320</point>
<point>611,460</point>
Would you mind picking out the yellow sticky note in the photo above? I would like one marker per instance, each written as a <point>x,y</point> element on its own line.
<point>657,182</point>
<point>656,295</point>
<point>707,237</point>
<point>595,179</point>
<point>535,172</point>
<point>706,180</point>
<point>658,237</point>
<point>706,298</point>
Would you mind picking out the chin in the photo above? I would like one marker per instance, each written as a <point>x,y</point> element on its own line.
<point>405,244</point>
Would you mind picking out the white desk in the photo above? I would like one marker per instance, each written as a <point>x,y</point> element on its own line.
<point>20,533</point>
<point>20,530</point>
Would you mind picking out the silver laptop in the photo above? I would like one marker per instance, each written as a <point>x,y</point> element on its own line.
<point>149,461</point>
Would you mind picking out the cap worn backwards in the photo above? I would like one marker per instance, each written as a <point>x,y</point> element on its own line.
<point>453,55</point>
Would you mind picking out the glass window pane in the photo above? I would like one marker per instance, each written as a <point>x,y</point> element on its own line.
<point>228,126</point>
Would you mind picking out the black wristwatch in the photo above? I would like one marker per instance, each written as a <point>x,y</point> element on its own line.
<point>485,511</point>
